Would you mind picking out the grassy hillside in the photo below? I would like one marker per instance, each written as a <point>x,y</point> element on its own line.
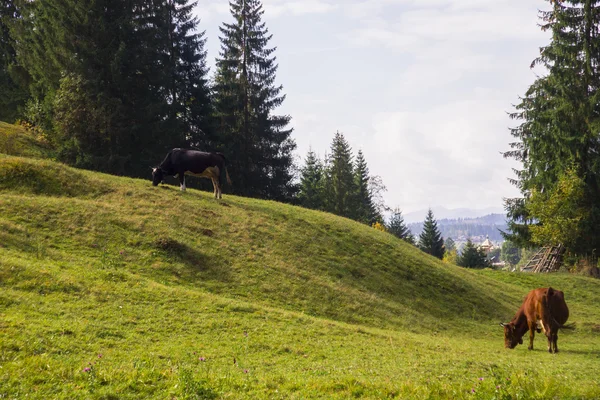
<point>113,289</point>
<point>15,140</point>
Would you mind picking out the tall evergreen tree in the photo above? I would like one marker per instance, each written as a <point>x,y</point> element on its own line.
<point>312,182</point>
<point>365,210</point>
<point>397,226</point>
<point>258,143</point>
<point>430,239</point>
<point>120,81</point>
<point>186,83</point>
<point>472,257</point>
<point>340,186</point>
<point>560,120</point>
<point>12,78</point>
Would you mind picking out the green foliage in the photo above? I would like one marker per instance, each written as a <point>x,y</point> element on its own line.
<point>81,125</point>
<point>397,227</point>
<point>312,182</point>
<point>258,143</point>
<point>115,83</point>
<point>365,209</point>
<point>13,93</point>
<point>430,239</point>
<point>559,124</point>
<point>451,256</point>
<point>510,253</point>
<point>559,213</point>
<point>450,252</point>
<point>472,257</point>
<point>340,186</point>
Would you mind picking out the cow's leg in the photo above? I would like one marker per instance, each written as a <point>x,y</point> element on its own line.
<point>182,182</point>
<point>555,341</point>
<point>532,326</point>
<point>219,188</point>
<point>550,336</point>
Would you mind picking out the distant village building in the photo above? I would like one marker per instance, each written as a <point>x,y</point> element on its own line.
<point>487,246</point>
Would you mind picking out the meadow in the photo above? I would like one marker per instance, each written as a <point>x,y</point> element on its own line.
<point>113,289</point>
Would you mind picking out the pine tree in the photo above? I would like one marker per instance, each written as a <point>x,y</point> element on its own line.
<point>186,83</point>
<point>365,210</point>
<point>120,82</point>
<point>397,227</point>
<point>559,121</point>
<point>258,143</point>
<point>340,186</point>
<point>312,182</point>
<point>472,257</point>
<point>449,244</point>
<point>13,79</point>
<point>430,240</point>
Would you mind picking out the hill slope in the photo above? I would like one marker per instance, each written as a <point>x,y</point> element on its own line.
<point>279,301</point>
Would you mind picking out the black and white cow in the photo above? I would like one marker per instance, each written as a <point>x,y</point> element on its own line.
<point>192,162</point>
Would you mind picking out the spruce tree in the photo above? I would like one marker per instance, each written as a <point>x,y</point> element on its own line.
<point>430,239</point>
<point>559,121</point>
<point>312,183</point>
<point>120,82</point>
<point>365,210</point>
<point>340,186</point>
<point>257,142</point>
<point>449,244</point>
<point>472,257</point>
<point>397,227</point>
<point>186,81</point>
<point>13,78</point>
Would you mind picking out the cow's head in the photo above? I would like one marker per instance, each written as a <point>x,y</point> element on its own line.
<point>157,176</point>
<point>511,337</point>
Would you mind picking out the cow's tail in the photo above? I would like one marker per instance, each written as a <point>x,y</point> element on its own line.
<point>228,178</point>
<point>226,175</point>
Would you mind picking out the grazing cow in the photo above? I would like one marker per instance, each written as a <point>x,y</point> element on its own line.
<point>543,309</point>
<point>192,162</point>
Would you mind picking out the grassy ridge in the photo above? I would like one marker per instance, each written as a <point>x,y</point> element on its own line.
<point>142,282</point>
<point>15,140</point>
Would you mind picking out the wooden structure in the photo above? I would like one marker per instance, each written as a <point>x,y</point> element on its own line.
<point>547,259</point>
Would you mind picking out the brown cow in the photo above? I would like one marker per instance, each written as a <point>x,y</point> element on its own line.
<point>543,309</point>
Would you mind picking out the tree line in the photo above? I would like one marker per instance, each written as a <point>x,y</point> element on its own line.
<point>557,137</point>
<point>116,83</point>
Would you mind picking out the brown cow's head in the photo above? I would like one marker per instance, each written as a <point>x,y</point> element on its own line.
<point>511,338</point>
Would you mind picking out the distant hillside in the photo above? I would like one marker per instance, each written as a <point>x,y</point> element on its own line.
<point>463,228</point>
<point>455,213</point>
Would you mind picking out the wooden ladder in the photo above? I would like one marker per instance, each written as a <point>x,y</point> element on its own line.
<point>546,259</point>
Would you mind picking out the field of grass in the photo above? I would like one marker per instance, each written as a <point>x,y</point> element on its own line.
<point>113,289</point>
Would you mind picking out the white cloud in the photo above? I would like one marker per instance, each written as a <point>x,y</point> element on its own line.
<point>275,8</point>
<point>421,86</point>
<point>448,154</point>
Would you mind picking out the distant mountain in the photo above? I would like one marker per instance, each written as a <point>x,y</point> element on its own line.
<point>444,213</point>
<point>461,229</point>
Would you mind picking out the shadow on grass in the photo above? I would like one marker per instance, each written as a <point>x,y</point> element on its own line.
<point>199,265</point>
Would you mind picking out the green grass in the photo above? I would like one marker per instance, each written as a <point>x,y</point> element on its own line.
<point>279,301</point>
<point>15,140</point>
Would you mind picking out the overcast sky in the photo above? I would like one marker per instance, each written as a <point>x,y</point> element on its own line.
<point>423,87</point>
